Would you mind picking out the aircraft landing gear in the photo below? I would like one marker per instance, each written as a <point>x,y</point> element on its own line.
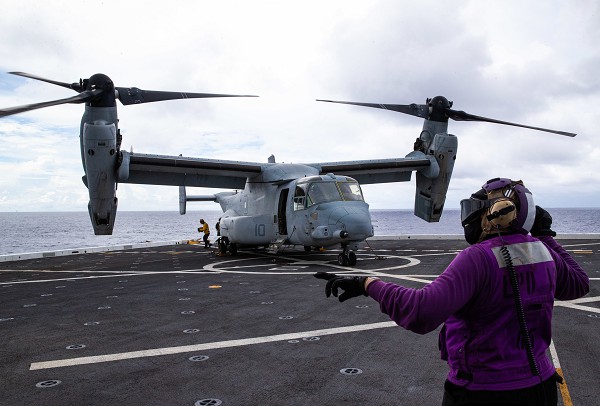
<point>347,257</point>
<point>222,245</point>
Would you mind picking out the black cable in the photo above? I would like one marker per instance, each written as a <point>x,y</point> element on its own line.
<point>512,275</point>
<point>520,311</point>
<point>377,256</point>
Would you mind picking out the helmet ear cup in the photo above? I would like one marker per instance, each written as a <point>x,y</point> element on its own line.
<point>501,216</point>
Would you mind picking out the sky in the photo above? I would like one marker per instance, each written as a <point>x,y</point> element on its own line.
<point>532,62</point>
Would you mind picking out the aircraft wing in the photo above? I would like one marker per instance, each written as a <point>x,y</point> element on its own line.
<point>201,172</point>
<point>376,170</point>
<point>183,171</point>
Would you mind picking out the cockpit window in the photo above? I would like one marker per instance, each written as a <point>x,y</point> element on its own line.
<point>322,192</point>
<point>350,190</point>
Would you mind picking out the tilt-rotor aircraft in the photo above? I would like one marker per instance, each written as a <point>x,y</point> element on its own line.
<point>271,204</point>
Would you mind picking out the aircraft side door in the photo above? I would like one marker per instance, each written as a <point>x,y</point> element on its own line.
<point>282,211</point>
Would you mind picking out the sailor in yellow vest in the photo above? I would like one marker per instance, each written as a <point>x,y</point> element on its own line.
<point>204,229</point>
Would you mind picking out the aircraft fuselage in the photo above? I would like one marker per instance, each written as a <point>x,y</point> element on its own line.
<point>310,209</point>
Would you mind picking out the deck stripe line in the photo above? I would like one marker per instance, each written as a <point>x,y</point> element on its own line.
<point>206,346</point>
<point>577,307</point>
<point>564,389</point>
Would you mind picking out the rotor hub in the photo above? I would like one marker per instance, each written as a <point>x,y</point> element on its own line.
<point>101,82</point>
<point>437,108</point>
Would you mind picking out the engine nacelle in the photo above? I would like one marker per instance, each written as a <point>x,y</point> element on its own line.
<point>100,152</point>
<point>432,186</point>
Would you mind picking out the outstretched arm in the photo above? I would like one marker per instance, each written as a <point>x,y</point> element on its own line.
<point>423,310</point>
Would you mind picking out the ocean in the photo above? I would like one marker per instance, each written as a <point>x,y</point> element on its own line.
<point>41,232</point>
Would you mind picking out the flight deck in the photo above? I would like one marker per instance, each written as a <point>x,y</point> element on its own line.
<point>178,325</point>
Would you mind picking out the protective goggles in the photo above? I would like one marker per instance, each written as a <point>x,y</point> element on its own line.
<point>471,208</point>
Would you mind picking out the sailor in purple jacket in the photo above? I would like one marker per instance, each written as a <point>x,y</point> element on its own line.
<point>494,300</point>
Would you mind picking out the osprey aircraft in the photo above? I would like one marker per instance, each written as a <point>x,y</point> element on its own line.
<point>271,204</point>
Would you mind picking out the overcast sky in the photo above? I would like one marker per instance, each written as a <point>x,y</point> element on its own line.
<point>531,62</point>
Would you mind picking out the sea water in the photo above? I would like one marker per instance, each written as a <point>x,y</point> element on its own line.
<point>40,232</point>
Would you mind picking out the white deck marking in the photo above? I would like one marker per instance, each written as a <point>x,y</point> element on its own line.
<point>75,278</point>
<point>574,304</point>
<point>225,267</point>
<point>581,245</point>
<point>554,355</point>
<point>578,307</point>
<point>586,299</point>
<point>564,389</point>
<point>207,346</point>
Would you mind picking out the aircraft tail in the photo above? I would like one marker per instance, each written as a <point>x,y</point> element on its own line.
<point>184,198</point>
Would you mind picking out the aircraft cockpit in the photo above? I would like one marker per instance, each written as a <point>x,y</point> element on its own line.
<point>323,189</point>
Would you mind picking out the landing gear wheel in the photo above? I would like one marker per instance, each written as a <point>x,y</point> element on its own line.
<point>307,248</point>
<point>342,260</point>
<point>233,248</point>
<point>347,257</point>
<point>222,247</point>
<point>351,258</point>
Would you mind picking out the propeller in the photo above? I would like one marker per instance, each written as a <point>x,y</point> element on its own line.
<point>82,97</point>
<point>75,86</point>
<point>99,91</point>
<point>439,109</point>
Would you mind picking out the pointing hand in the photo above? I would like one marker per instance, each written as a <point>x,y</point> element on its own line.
<point>352,286</point>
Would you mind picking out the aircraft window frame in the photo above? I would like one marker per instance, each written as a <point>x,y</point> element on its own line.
<point>299,199</point>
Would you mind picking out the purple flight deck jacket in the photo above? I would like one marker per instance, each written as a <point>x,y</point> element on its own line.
<point>480,339</point>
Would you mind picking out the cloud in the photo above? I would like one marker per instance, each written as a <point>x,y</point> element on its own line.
<point>532,63</point>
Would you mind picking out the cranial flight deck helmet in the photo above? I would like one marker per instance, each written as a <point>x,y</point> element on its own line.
<point>501,206</point>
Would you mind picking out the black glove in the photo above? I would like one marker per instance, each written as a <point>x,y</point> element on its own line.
<point>353,286</point>
<point>542,223</point>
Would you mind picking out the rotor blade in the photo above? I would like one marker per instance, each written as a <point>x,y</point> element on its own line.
<point>80,98</point>
<point>418,110</point>
<point>75,86</point>
<point>462,116</point>
<point>133,95</point>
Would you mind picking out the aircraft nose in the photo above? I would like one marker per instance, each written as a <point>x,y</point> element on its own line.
<point>356,221</point>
